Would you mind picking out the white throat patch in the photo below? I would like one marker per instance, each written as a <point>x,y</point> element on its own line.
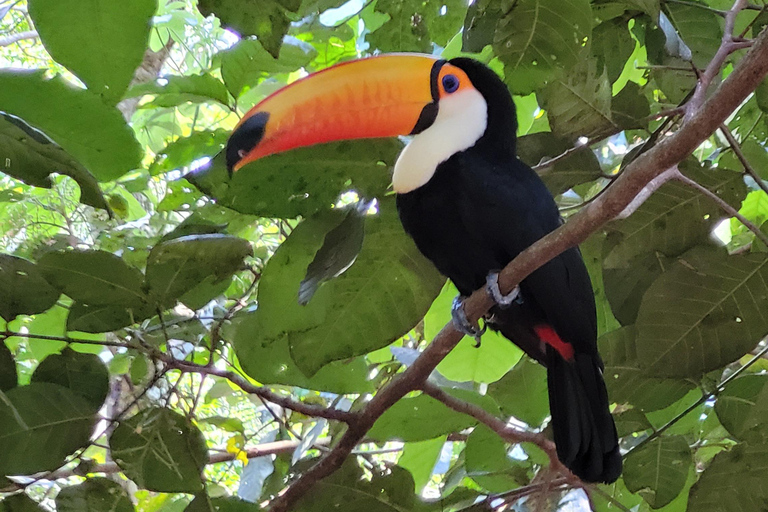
<point>461,121</point>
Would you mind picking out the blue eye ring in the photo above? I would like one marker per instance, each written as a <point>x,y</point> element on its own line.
<point>450,83</point>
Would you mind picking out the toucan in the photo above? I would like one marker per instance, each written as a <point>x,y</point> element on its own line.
<point>470,206</point>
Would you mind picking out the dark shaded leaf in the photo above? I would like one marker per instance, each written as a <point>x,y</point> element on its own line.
<point>341,246</point>
<point>522,392</point>
<point>742,407</point>
<point>658,471</point>
<point>630,108</point>
<point>627,280</point>
<point>246,63</point>
<point>706,311</point>
<point>699,29</point>
<point>185,150</point>
<point>23,290</point>
<point>537,38</point>
<point>83,374</point>
<point>103,43</point>
<point>94,277</point>
<point>19,503</point>
<point>179,265</point>
<point>93,133</point>
<point>40,425</point>
<point>627,382</point>
<point>734,481</point>
<point>413,25</point>
<point>8,376</point>
<point>32,157</point>
<point>177,90</point>
<point>161,451</point>
<point>631,421</point>
<point>579,167</point>
<point>480,25</point>
<point>612,45</point>
<point>203,503</point>
<point>106,317</point>
<point>94,495</point>
<point>301,181</point>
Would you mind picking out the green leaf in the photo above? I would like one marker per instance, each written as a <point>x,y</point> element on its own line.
<point>8,376</point>
<point>103,43</point>
<point>32,157</point>
<point>420,458</point>
<point>413,25</point>
<point>23,290</point>
<point>627,382</point>
<point>40,425</point>
<point>184,151</point>
<point>537,38</point>
<point>699,28</point>
<point>19,503</point>
<point>612,45</point>
<point>630,109</point>
<point>480,24</point>
<point>268,20</point>
<point>177,266</point>
<point>94,495</point>
<point>467,362</point>
<point>631,421</point>
<point>579,104</point>
<point>706,311</point>
<point>83,374</point>
<point>247,62</point>
<point>578,167</point>
<point>522,392</point>
<point>94,277</point>
<point>592,253</point>
<point>301,181</point>
<point>658,471</point>
<point>627,280</point>
<point>486,462</point>
<point>161,451</point>
<point>419,418</point>
<point>106,317</point>
<point>93,133</point>
<point>733,482</point>
<point>377,300</point>
<point>203,503</point>
<point>742,407</point>
<point>177,90</point>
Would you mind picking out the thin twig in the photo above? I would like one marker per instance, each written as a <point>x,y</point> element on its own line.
<point>736,147</point>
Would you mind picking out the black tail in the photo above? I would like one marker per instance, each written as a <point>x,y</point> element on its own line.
<point>585,434</point>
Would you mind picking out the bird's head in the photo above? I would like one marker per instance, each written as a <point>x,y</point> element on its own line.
<point>447,106</point>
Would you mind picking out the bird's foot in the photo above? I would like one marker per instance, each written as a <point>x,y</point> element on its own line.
<point>462,324</point>
<point>504,301</point>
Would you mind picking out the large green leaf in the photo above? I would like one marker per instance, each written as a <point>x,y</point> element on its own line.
<point>579,167</point>
<point>734,481</point>
<point>522,392</point>
<point>23,290</point>
<point>94,495</point>
<point>177,90</point>
<point>40,425</point>
<point>32,157</point>
<point>106,317</point>
<point>612,45</point>
<point>706,311</point>
<point>83,374</point>
<point>420,457</point>
<point>537,38</point>
<point>203,503</point>
<point>19,503</point>
<point>93,133</point>
<point>699,28</point>
<point>183,151</point>
<point>742,407</point>
<point>414,25</point>
<point>161,451</point>
<point>301,181</point>
<point>579,103</point>
<point>486,462</point>
<point>177,266</point>
<point>378,299</point>
<point>658,471</point>
<point>103,43</point>
<point>94,277</point>
<point>246,63</point>
<point>8,375</point>
<point>627,382</point>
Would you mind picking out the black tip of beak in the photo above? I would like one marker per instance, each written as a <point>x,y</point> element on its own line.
<point>246,137</point>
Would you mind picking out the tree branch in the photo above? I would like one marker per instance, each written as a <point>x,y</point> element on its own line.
<point>667,153</point>
<point>736,147</point>
<point>15,38</point>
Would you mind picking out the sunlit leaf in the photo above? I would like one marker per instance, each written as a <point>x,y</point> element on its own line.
<point>658,471</point>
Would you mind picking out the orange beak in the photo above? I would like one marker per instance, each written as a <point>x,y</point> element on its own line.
<point>382,96</point>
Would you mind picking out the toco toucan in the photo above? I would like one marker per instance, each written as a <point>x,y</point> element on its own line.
<point>470,206</point>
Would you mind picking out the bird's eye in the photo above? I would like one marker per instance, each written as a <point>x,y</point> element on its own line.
<point>450,83</point>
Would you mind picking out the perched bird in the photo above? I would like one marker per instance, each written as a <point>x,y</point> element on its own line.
<point>471,206</point>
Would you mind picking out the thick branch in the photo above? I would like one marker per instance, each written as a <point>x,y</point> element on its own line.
<point>15,38</point>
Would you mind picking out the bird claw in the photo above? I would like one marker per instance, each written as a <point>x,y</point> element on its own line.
<point>504,301</point>
<point>462,324</point>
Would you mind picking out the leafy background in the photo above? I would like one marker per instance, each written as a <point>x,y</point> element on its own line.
<point>127,250</point>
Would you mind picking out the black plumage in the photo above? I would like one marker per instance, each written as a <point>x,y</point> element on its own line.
<point>480,209</point>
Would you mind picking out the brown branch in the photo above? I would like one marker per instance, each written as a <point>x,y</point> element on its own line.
<point>730,210</point>
<point>673,149</point>
<point>727,47</point>
<point>736,147</point>
<point>15,38</point>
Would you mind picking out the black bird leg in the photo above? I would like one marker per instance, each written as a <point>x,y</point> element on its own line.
<point>462,324</point>
<point>504,301</point>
